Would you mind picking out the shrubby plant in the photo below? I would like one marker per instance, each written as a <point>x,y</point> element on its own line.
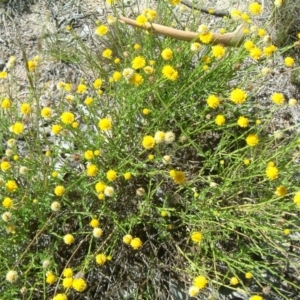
<point>162,156</point>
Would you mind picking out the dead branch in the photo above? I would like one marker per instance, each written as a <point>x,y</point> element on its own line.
<point>228,39</point>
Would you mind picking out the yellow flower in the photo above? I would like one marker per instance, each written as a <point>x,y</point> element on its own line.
<point>256,53</point>
<point>92,170</point>
<point>67,117</point>
<point>5,103</point>
<point>59,190</point>
<point>68,272</point>
<point>167,54</point>
<point>50,278</point>
<point>5,166</point>
<point>3,75</point>
<point>175,2</point>
<point>206,38</point>
<point>220,120</point>
<point>89,154</point>
<point>196,236</point>
<point>255,8</point>
<point>234,281</point>
<point>46,112</point>
<point>169,72</point>
<point>69,239</point>
<point>146,111</point>
<point>243,122</point>
<point>101,30</point>
<point>289,61</point>
<point>94,223</point>
<point>107,53</point>
<point>81,88</point>
<point>17,128</point>
<point>111,175</point>
<point>25,109</point>
<point>60,297</point>
<point>7,202</point>
<point>117,76</point>
<point>252,140</point>
<point>79,284</point>
<point>105,124</point>
<point>247,161</point>
<point>248,275</point>
<point>31,65</point>
<point>127,239</point>
<point>148,142</point>
<point>127,176</point>
<point>101,259</point>
<point>297,198</point>
<point>138,62</point>
<point>11,186</point>
<point>88,101</point>
<point>249,45</point>
<point>272,172</point>
<point>136,243</point>
<point>281,191</point>
<point>11,276</point>
<point>55,206</point>
<point>256,297</point>
<point>56,129</point>
<point>149,70</point>
<point>141,20</point>
<point>269,50</point>
<point>67,282</point>
<point>97,232</point>
<point>277,98</point>
<point>159,137</point>
<point>277,3</point>
<point>136,79</point>
<point>195,47</point>
<point>261,32</point>
<point>100,187</point>
<point>151,15</point>
<point>235,14</point>
<point>97,83</point>
<point>238,96</point>
<point>218,51</point>
<point>287,231</point>
<point>178,176</point>
<point>200,282</point>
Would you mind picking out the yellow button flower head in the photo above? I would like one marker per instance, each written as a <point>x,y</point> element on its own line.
<point>159,137</point>
<point>234,281</point>
<point>196,236</point>
<point>59,190</point>
<point>136,243</point>
<point>218,51</point>
<point>88,154</point>
<point>107,53</point>
<point>170,73</point>
<point>97,83</point>
<point>175,2</point>
<point>272,172</point>
<point>7,202</point>
<point>3,75</point>
<point>67,117</point>
<point>256,297</point>
<point>79,284</point>
<point>11,276</point>
<point>68,272</point>
<point>178,176</point>
<point>261,32</point>
<point>100,187</point>
<point>5,103</point>
<point>116,76</point>
<point>127,239</point>
<point>138,62</point>
<point>101,259</point>
<point>252,140</point>
<point>105,124</point>
<point>200,282</point>
<point>243,122</point>
<point>46,112</point>
<point>248,275</point>
<point>111,175</point>
<point>17,128</point>
<point>148,142</point>
<point>220,120</point>
<point>206,38</point>
<point>269,50</point>
<point>94,223</point>
<point>25,108</point>
<point>249,45</point>
<point>277,98</point>
<point>281,191</point>
<point>97,232</point>
<point>167,54</point>
<point>60,297</point>
<point>88,101</point>
<point>255,8</point>
<point>213,101</point>
<point>141,20</point>
<point>56,129</point>
<point>238,96</point>
<point>92,170</point>
<point>11,186</point>
<point>297,198</point>
<point>101,30</point>
<point>69,239</point>
<point>256,53</point>
<point>50,277</point>
<point>67,282</point>
<point>5,166</point>
<point>127,176</point>
<point>195,47</point>
<point>289,61</point>
<point>136,79</point>
<point>55,206</point>
<point>151,15</point>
